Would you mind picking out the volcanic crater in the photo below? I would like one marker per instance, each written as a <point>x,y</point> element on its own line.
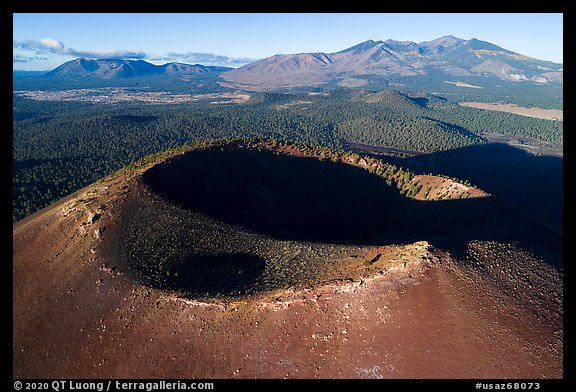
<point>230,221</point>
<point>236,259</point>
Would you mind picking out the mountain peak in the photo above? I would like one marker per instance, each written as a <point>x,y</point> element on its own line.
<point>448,55</point>
<point>395,42</point>
<point>445,41</point>
<point>477,44</point>
<point>400,45</point>
<point>119,68</point>
<point>362,46</point>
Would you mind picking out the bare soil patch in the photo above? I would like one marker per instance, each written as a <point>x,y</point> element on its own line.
<point>441,188</point>
<point>546,114</point>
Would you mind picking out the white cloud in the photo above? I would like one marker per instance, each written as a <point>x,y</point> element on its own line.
<point>107,54</point>
<point>52,44</point>
<point>26,59</point>
<point>55,47</point>
<point>204,59</point>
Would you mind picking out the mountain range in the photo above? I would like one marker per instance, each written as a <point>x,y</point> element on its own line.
<point>468,63</point>
<point>116,69</point>
<point>447,56</point>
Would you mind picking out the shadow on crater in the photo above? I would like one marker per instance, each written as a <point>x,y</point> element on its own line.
<point>301,199</point>
<point>305,199</point>
<point>290,198</point>
<point>532,183</point>
<point>225,274</point>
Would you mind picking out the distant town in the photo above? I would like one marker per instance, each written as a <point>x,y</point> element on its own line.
<point>113,95</point>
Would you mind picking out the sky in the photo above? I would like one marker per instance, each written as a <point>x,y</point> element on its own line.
<point>44,41</point>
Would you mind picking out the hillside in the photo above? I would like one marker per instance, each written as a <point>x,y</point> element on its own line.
<point>148,286</point>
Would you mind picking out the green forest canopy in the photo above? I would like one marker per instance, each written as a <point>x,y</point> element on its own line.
<point>59,147</point>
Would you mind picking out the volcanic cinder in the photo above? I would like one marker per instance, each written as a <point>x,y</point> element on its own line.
<point>230,262</point>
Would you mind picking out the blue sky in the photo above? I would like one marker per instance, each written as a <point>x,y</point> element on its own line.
<point>44,41</point>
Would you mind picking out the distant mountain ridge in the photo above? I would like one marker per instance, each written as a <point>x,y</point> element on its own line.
<point>116,69</point>
<point>449,55</point>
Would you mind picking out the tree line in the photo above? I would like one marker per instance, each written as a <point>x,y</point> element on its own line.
<point>59,147</point>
